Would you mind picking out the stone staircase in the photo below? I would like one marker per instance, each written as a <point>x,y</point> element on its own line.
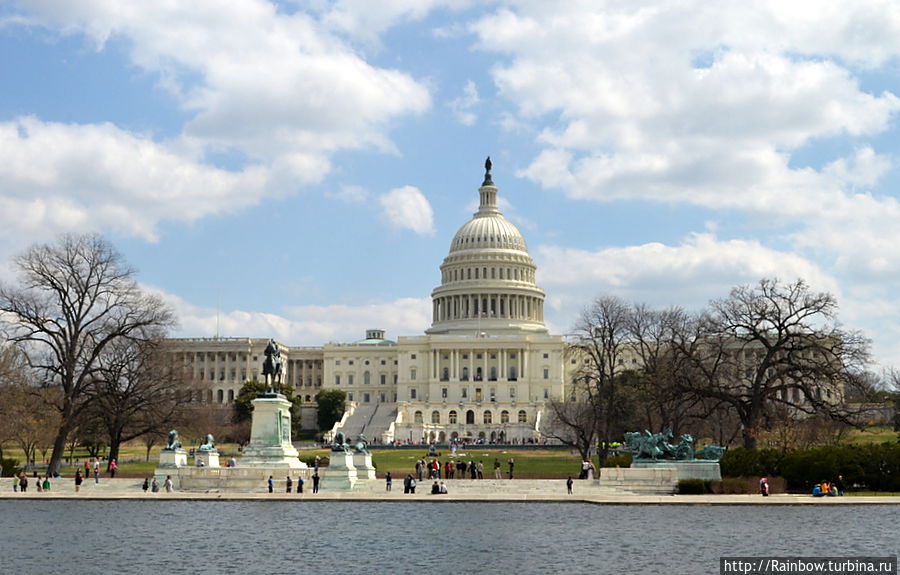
<point>371,419</point>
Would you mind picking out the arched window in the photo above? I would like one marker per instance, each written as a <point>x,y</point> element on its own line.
<point>230,395</point>
<point>417,417</point>
<point>488,417</point>
<point>435,416</point>
<point>523,417</point>
<point>470,417</point>
<point>451,417</point>
<point>504,416</point>
<point>220,396</point>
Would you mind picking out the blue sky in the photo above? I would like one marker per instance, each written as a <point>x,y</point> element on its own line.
<point>298,169</point>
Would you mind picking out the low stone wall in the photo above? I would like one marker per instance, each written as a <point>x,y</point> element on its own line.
<point>644,481</point>
<point>233,479</point>
<point>705,470</point>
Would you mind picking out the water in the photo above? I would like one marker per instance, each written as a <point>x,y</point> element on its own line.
<point>251,537</point>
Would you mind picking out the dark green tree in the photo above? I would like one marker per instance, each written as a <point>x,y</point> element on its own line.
<point>331,408</point>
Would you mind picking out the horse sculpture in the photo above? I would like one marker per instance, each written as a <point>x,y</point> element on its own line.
<point>340,443</point>
<point>271,368</point>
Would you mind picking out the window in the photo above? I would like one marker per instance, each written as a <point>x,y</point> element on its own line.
<point>512,392</point>
<point>451,417</point>
<point>230,395</point>
<point>412,374</point>
<point>220,396</point>
<point>465,356</point>
<point>465,392</point>
<point>470,417</point>
<point>366,378</point>
<point>336,362</point>
<point>477,394</point>
<point>435,417</point>
<point>487,417</point>
<point>444,392</point>
<point>383,362</point>
<point>504,416</point>
<point>546,355</point>
<point>513,374</point>
<point>337,380</point>
<point>523,417</point>
<point>412,356</point>
<point>465,374</point>
<point>383,379</point>
<point>493,394</point>
<point>546,373</point>
<point>546,393</point>
<point>412,393</point>
<point>350,362</point>
<point>350,379</point>
<point>493,374</point>
<point>365,398</point>
<point>417,417</point>
<point>350,396</point>
<point>367,362</point>
<point>445,374</point>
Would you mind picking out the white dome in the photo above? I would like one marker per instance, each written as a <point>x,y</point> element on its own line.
<point>487,279</point>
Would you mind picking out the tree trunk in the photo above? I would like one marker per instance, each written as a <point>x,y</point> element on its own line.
<point>59,446</point>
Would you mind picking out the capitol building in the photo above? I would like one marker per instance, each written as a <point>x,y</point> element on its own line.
<point>485,369</point>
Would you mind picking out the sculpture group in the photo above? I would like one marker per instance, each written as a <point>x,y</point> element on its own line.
<point>271,368</point>
<point>656,446</point>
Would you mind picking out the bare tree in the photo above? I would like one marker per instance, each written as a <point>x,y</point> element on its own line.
<point>74,299</point>
<point>598,383</point>
<point>769,346</point>
<point>137,390</point>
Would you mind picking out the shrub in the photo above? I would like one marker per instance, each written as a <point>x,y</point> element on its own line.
<point>623,460</point>
<point>9,467</point>
<point>692,487</point>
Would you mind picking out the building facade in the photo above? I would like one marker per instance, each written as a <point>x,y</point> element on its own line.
<point>484,371</point>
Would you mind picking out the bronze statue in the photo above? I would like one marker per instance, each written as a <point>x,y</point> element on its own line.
<point>339,444</point>
<point>173,442</point>
<point>272,367</point>
<point>362,444</point>
<point>656,446</point>
<point>210,445</point>
<point>487,173</point>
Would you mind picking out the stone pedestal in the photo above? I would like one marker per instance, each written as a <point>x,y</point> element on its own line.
<point>698,469</point>
<point>169,458</point>
<point>207,458</point>
<point>270,435</point>
<point>363,464</point>
<point>340,473</point>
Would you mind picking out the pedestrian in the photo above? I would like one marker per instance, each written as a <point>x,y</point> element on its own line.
<point>496,468</point>
<point>569,483</point>
<point>168,484</point>
<point>288,484</point>
<point>316,464</point>
<point>511,464</point>
<point>146,484</point>
<point>443,488</point>
<point>480,469</point>
<point>839,485</point>
<point>112,469</point>
<point>388,481</point>
<point>96,470</point>
<point>406,482</point>
<point>40,488</point>
<point>46,484</point>
<point>300,484</point>
<point>271,484</point>
<point>154,485</point>
<point>764,487</point>
<point>23,482</point>
<point>79,479</point>
<point>315,482</point>
<point>412,485</point>
<point>15,483</point>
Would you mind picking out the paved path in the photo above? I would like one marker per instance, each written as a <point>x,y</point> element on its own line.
<point>64,489</point>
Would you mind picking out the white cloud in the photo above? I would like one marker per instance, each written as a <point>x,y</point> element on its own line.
<point>463,106</point>
<point>408,208</point>
<point>63,177</point>
<point>690,274</point>
<point>306,325</point>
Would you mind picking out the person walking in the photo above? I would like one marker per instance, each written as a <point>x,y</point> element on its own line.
<point>271,483</point>
<point>511,464</point>
<point>764,487</point>
<point>96,470</point>
<point>300,484</point>
<point>23,482</point>
<point>497,474</point>
<point>569,483</point>
<point>46,484</point>
<point>79,479</point>
<point>154,485</point>
<point>288,484</point>
<point>168,484</point>
<point>315,479</point>
<point>113,467</point>
<point>146,484</point>
<point>388,481</point>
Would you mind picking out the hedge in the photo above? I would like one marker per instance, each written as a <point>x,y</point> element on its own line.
<point>874,467</point>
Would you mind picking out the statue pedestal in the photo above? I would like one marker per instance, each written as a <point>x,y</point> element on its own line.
<point>270,435</point>
<point>173,458</point>
<point>207,458</point>
<point>340,473</point>
<point>364,467</point>
<point>697,469</point>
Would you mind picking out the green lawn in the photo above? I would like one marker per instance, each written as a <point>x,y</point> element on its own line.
<point>871,435</point>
